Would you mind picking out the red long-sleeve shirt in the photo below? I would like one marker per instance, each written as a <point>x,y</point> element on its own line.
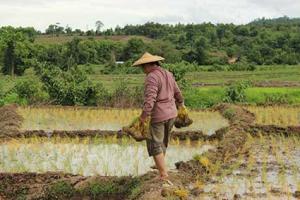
<point>161,95</point>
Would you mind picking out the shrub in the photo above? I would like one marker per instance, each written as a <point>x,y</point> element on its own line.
<point>236,92</point>
<point>11,98</point>
<point>32,90</point>
<point>125,96</point>
<point>179,70</point>
<point>70,87</point>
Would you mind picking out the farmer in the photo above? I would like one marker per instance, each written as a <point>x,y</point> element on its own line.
<point>161,96</point>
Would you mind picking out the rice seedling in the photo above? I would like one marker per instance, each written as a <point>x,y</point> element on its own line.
<point>59,118</point>
<point>85,157</point>
<point>277,115</point>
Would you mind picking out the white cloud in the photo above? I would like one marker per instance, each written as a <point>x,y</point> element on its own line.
<point>83,14</point>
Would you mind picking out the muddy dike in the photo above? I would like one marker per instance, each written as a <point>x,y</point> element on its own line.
<point>10,121</point>
<point>231,145</point>
<point>184,135</point>
<point>55,185</point>
<point>256,130</point>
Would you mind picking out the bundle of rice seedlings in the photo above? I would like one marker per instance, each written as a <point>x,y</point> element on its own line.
<point>138,130</point>
<point>182,119</point>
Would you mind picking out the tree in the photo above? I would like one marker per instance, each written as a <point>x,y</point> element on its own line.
<point>99,25</point>
<point>68,30</point>
<point>221,32</point>
<point>133,49</point>
<point>15,46</point>
<point>55,29</point>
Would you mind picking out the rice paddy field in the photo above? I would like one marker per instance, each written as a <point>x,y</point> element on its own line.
<point>261,167</point>
<point>71,118</point>
<point>88,156</point>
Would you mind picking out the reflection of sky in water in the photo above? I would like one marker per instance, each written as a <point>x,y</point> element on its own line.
<point>88,159</point>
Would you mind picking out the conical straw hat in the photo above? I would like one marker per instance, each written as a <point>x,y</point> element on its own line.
<point>147,58</point>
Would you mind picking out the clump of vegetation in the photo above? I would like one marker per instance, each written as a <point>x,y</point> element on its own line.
<point>179,70</point>
<point>60,190</point>
<point>181,193</point>
<point>31,90</point>
<point>125,96</point>
<point>70,87</point>
<point>229,113</point>
<point>236,92</point>
<point>121,187</point>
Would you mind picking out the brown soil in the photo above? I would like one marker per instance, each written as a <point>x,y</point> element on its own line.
<point>274,130</point>
<point>10,120</point>
<point>231,145</point>
<point>192,135</point>
<point>31,185</point>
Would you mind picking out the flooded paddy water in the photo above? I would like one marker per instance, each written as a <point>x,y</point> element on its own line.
<point>70,118</point>
<point>270,170</point>
<point>87,156</point>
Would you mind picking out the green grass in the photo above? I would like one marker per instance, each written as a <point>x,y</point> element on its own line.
<point>264,73</point>
<point>208,96</point>
<point>281,95</point>
<point>203,97</point>
<point>267,73</point>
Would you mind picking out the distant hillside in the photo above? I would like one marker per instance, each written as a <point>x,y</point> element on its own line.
<point>53,39</point>
<point>276,21</point>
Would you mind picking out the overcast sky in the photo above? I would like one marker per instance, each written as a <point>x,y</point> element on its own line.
<point>84,13</point>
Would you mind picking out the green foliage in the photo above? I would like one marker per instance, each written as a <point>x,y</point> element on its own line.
<point>262,96</point>
<point>124,96</point>
<point>203,97</point>
<point>97,190</point>
<point>242,65</point>
<point>122,187</point>
<point>179,71</point>
<point>215,67</point>
<point>277,99</point>
<point>229,113</point>
<point>11,98</point>
<point>133,49</point>
<point>236,92</point>
<point>16,51</point>
<point>31,90</point>
<point>69,87</point>
<point>60,190</point>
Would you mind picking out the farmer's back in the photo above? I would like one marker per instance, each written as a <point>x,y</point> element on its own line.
<point>161,90</point>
